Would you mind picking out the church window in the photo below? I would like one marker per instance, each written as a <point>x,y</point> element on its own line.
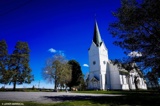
<point>122,79</point>
<point>142,82</point>
<point>126,78</point>
<point>133,79</point>
<point>94,62</point>
<point>104,62</point>
<point>130,78</point>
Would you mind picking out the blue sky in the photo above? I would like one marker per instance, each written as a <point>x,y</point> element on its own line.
<point>64,26</point>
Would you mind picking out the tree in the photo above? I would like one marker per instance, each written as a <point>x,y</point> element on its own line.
<point>77,76</point>
<point>152,78</point>
<point>137,30</point>
<point>19,65</point>
<point>4,58</point>
<point>82,85</point>
<point>57,70</point>
<point>64,74</point>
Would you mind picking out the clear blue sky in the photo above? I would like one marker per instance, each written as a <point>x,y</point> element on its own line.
<point>64,25</point>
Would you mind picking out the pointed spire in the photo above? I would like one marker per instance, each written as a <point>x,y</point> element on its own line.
<point>97,37</point>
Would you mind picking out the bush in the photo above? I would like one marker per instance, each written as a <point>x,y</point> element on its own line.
<point>3,88</point>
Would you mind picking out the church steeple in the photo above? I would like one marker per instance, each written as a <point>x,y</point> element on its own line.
<point>97,37</point>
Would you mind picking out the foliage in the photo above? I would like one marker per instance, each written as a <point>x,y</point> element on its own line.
<point>82,85</point>
<point>2,88</point>
<point>15,68</point>
<point>4,58</point>
<point>19,65</point>
<point>152,78</point>
<point>137,30</point>
<point>57,70</point>
<point>77,76</point>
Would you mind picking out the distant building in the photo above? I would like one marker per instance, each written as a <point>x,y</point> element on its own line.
<point>104,75</point>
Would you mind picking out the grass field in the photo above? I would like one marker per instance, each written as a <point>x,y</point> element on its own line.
<point>71,103</point>
<point>140,98</point>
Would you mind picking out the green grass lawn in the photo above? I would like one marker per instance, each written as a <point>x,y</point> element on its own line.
<point>71,103</point>
<point>140,97</point>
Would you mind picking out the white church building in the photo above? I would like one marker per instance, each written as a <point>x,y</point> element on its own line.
<point>105,75</point>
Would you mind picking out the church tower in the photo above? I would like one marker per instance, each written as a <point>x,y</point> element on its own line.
<point>98,58</point>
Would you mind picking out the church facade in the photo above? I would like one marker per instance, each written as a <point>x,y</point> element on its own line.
<point>104,74</point>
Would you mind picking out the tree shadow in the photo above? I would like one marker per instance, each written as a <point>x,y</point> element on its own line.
<point>69,98</point>
<point>111,100</point>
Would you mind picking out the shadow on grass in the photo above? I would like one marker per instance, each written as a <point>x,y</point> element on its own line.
<point>111,100</point>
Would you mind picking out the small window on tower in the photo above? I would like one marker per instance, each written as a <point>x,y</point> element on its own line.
<point>104,62</point>
<point>94,62</point>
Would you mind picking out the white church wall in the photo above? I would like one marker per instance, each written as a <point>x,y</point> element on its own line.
<point>94,85</point>
<point>114,77</point>
<point>103,56</point>
<point>125,85</point>
<point>103,59</point>
<point>124,82</point>
<point>89,82</point>
<point>141,83</point>
<point>93,58</point>
<point>102,82</point>
<point>124,79</point>
<point>121,79</point>
<point>132,84</point>
<point>94,74</point>
<point>108,81</point>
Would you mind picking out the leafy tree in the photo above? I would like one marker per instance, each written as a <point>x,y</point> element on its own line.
<point>152,78</point>
<point>19,65</point>
<point>77,76</point>
<point>64,74</point>
<point>82,85</point>
<point>57,70</point>
<point>137,29</point>
<point>4,58</point>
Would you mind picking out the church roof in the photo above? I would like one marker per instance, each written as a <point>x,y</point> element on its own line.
<point>94,79</point>
<point>97,37</point>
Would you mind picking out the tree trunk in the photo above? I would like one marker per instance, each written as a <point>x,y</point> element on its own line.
<point>55,85</point>
<point>129,85</point>
<point>14,86</point>
<point>136,82</point>
<point>136,86</point>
